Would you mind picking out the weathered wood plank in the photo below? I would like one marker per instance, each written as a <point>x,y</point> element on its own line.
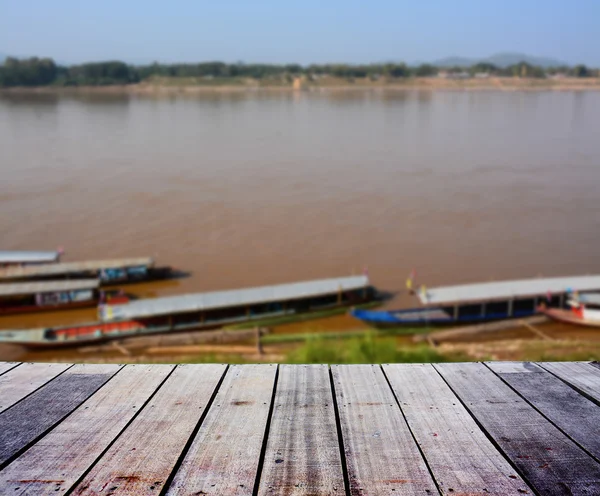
<point>303,452</point>
<point>582,376</point>
<point>131,465</point>
<point>30,418</point>
<point>381,454</point>
<point>574,414</point>
<point>6,366</point>
<point>548,459</point>
<point>460,456</point>
<point>223,457</point>
<point>25,379</point>
<point>59,459</point>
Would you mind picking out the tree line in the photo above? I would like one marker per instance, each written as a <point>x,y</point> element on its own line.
<point>44,71</point>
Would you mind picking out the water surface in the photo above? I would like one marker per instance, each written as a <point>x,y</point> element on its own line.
<point>261,188</point>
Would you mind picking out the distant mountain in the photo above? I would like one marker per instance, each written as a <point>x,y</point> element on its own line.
<point>500,60</point>
<point>455,61</point>
<point>2,57</point>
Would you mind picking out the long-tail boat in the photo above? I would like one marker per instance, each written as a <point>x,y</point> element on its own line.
<point>489,301</point>
<point>119,271</point>
<point>584,310</point>
<point>17,258</point>
<point>200,311</point>
<point>45,296</point>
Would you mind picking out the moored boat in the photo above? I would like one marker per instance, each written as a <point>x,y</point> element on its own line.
<point>119,271</point>
<point>482,302</point>
<point>16,258</point>
<point>200,311</point>
<point>584,310</point>
<point>52,295</point>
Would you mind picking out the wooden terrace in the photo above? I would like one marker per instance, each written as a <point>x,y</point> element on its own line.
<point>400,429</point>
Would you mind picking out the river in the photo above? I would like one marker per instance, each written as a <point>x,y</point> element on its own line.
<point>259,188</point>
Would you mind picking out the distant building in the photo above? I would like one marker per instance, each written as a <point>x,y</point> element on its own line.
<point>482,75</point>
<point>453,75</point>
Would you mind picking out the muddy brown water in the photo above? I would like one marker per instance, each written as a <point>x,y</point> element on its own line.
<point>259,188</point>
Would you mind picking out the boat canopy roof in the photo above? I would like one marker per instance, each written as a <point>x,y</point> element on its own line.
<point>71,267</point>
<point>233,298</point>
<point>28,288</point>
<point>508,290</point>
<point>589,298</point>
<point>19,257</point>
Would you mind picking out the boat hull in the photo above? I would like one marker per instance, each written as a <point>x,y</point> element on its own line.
<point>425,317</point>
<point>20,309</point>
<point>569,317</point>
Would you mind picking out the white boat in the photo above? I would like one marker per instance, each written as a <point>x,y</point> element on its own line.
<point>584,310</point>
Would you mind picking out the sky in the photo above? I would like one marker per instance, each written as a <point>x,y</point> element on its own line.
<point>286,31</point>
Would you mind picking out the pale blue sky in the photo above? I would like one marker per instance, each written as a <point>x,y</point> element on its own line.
<point>353,31</point>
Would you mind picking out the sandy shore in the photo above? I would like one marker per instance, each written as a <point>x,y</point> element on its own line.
<point>177,86</point>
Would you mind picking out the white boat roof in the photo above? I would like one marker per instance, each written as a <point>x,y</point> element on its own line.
<point>590,298</point>
<point>18,257</point>
<point>232,298</point>
<point>56,269</point>
<point>506,290</point>
<point>27,288</point>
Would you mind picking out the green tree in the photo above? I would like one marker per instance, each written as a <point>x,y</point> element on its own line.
<point>581,71</point>
<point>426,70</point>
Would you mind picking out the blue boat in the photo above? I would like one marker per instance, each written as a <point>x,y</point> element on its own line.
<point>483,302</point>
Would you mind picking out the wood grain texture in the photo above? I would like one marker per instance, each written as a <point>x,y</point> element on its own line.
<point>21,381</point>
<point>582,376</point>
<point>6,366</point>
<point>381,454</point>
<point>549,460</point>
<point>144,455</point>
<point>303,452</point>
<point>574,414</point>
<point>223,457</point>
<point>27,420</point>
<point>55,463</point>
<point>461,458</point>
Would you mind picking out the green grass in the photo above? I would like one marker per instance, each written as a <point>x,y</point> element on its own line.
<point>301,317</point>
<point>366,349</point>
<point>352,333</point>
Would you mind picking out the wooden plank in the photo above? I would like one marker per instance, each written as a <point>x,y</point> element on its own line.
<point>582,376</point>
<point>572,413</point>
<point>164,426</point>
<point>381,454</point>
<point>549,460</point>
<point>24,380</point>
<point>460,456</point>
<point>27,420</point>
<point>303,451</point>
<point>58,460</point>
<point>223,458</point>
<point>6,366</point>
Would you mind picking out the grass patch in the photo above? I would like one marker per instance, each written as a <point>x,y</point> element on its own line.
<point>353,333</point>
<point>367,349</point>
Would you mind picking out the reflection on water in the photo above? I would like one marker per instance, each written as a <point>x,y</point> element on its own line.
<point>248,188</point>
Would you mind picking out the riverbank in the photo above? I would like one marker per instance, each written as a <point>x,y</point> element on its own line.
<point>336,339</point>
<point>159,86</point>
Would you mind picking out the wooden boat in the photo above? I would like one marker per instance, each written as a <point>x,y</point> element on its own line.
<point>53,295</point>
<point>584,310</point>
<point>200,311</point>
<point>482,302</point>
<point>120,271</point>
<point>10,258</point>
